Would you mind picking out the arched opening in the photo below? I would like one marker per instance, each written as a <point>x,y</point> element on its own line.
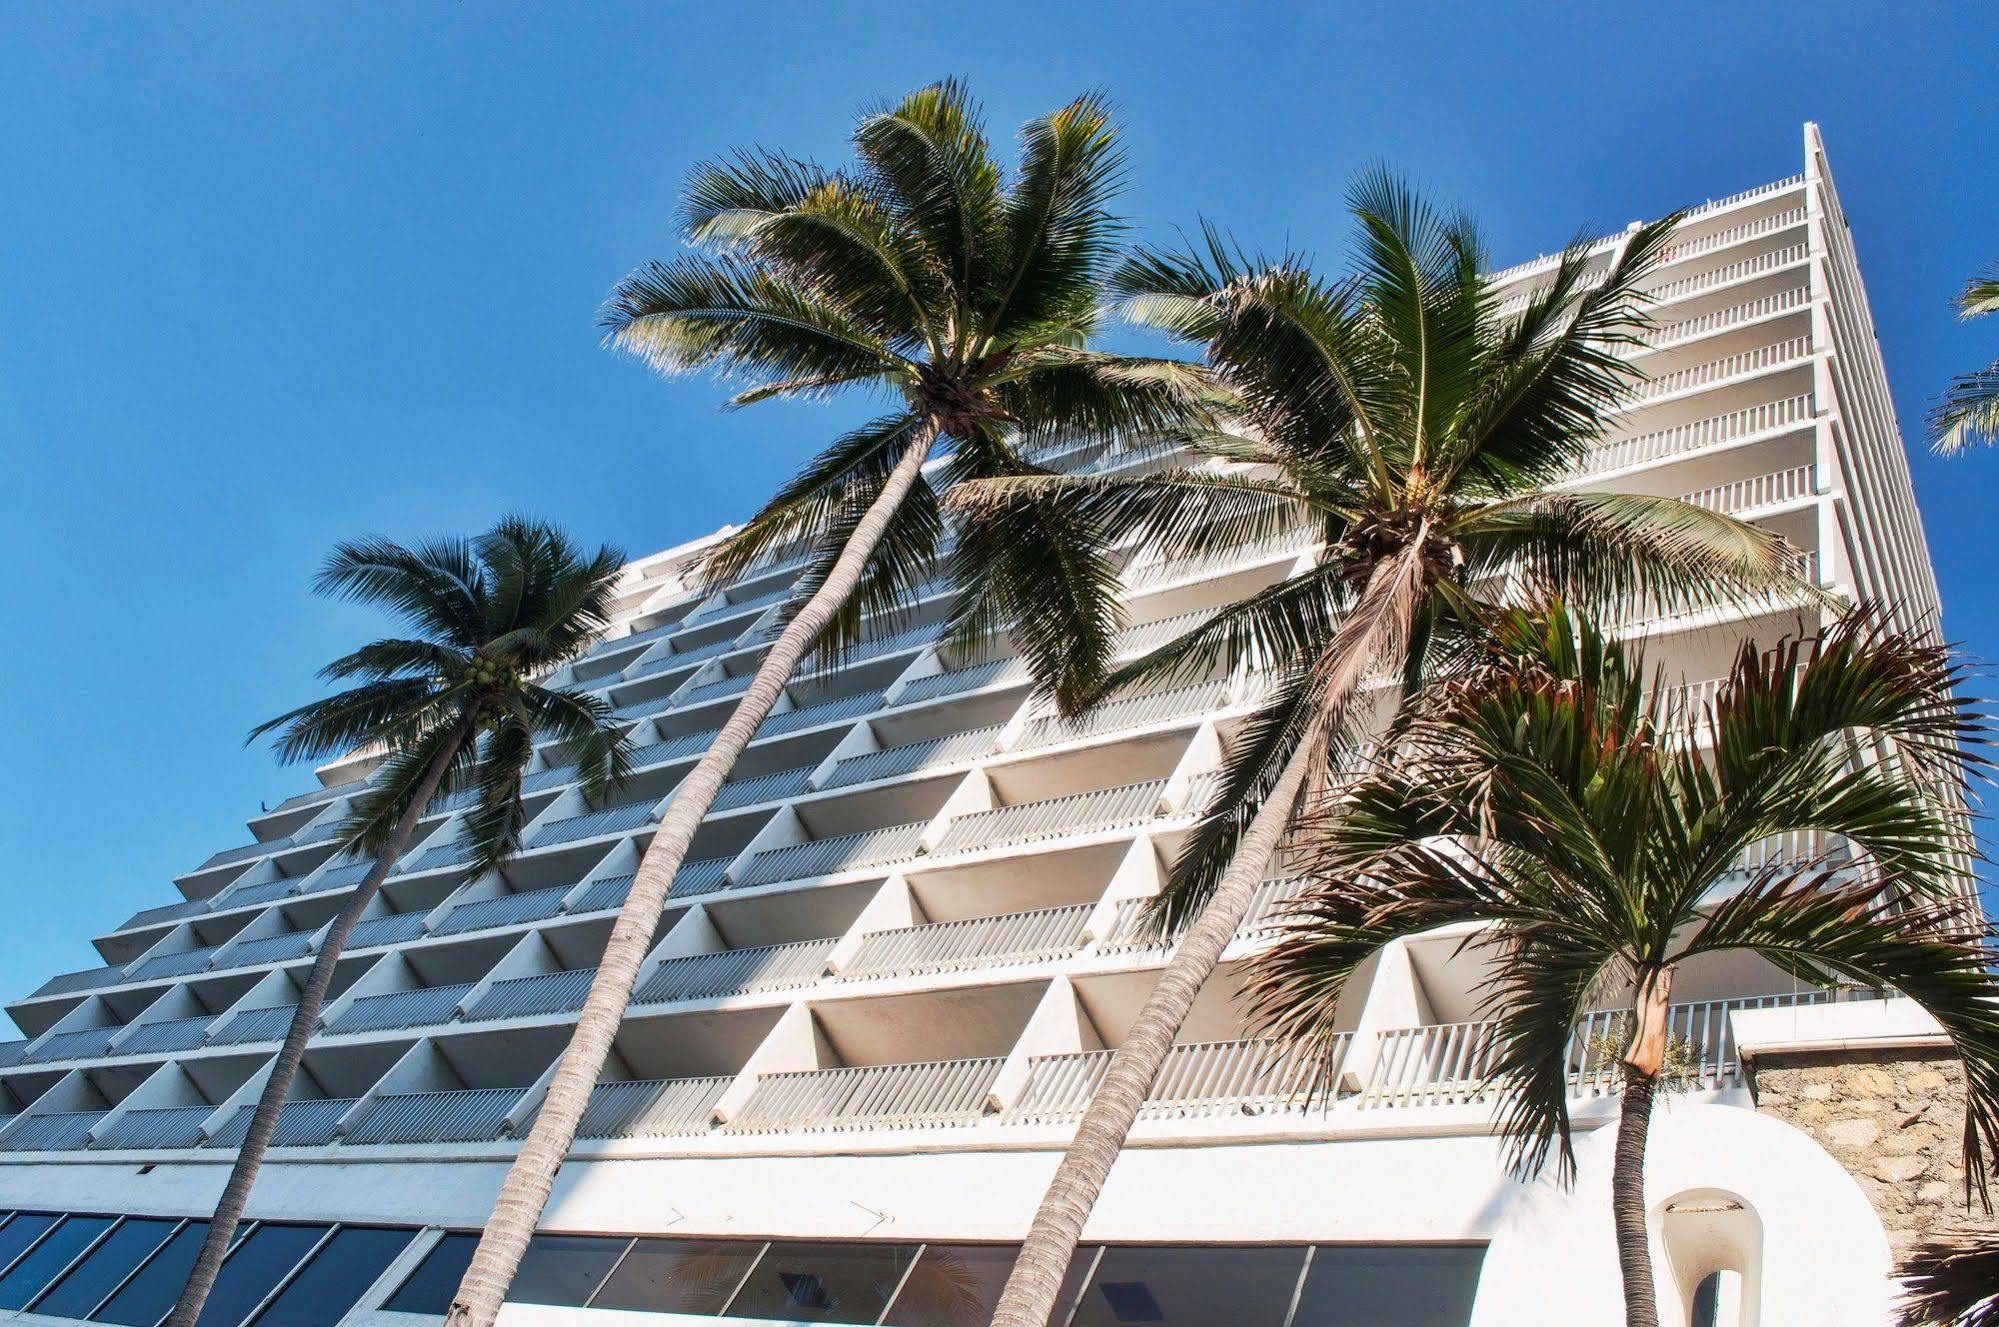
<point>1714,1250</point>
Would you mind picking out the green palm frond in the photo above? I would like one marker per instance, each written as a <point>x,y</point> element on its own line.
<point>1951,1279</point>
<point>929,152</point>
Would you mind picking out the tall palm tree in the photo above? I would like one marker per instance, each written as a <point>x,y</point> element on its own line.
<point>454,706</point>
<point>1969,411</point>
<point>1404,418</point>
<point>1546,797</point>
<point>926,274</point>
<point>1952,1280</point>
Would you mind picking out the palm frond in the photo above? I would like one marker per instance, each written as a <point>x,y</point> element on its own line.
<point>436,587</point>
<point>1951,1279</point>
<point>929,153</point>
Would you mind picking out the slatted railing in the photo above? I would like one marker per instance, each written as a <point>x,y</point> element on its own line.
<point>1053,817</point>
<point>845,852</point>
<point>300,1123</point>
<point>522,997</point>
<point>1147,575</point>
<point>1773,416</point>
<point>975,942</point>
<point>247,852</point>
<point>339,877</point>
<point>11,1051</point>
<point>877,1096</point>
<point>1151,635</point>
<point>173,1034</point>
<point>177,964</point>
<point>1761,264</point>
<point>167,912</point>
<point>735,972</point>
<point>148,1130</point>
<point>475,1116</point>
<point>706,876</point>
<point>266,892</point>
<point>957,681</point>
<point>1763,306</point>
<point>1721,239</point>
<point>1445,1064</point>
<point>683,747</point>
<point>89,979</point>
<point>1765,490</point>
<point>811,716</point>
<point>1785,353</point>
<point>611,820</point>
<point>389,930</point>
<point>270,949</point>
<point>254,1025</point>
<point>716,690</point>
<point>400,1009</point>
<point>58,1131</point>
<point>772,787</point>
<point>507,910</point>
<point>1208,1078</point>
<point>82,1044</point>
<point>652,1108</point>
<point>1129,712</point>
<point>603,895</point>
<point>1132,928</point>
<point>891,762</point>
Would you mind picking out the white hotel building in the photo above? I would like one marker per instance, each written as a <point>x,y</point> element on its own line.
<point>902,951</point>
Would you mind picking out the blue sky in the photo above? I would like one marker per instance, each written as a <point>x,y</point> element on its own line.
<point>275,274</point>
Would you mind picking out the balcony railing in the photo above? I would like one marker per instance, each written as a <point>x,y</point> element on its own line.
<point>83,1044</point>
<point>270,949</point>
<point>847,852</point>
<point>316,795</point>
<point>956,681</point>
<point>176,1034</point>
<point>611,820</point>
<point>1132,928</point>
<point>453,853</point>
<point>1800,481</point>
<point>400,1009</point>
<point>522,997</point>
<point>254,1025</point>
<point>11,1051</point>
<point>1198,1079</point>
<point>1147,636</point>
<point>736,972</point>
<point>684,747</point>
<point>89,979</point>
<point>1721,276</point>
<point>300,1123</point>
<point>652,1108</point>
<point>1053,817</point>
<point>1446,1064</point>
<point>177,964</point>
<point>1130,712</point>
<point>1773,416</point>
<point>878,647</point>
<point>1786,353</point>
<point>719,689</point>
<point>476,1116</point>
<point>975,942</point>
<point>62,1131</point>
<point>1763,306</point>
<point>339,877</point>
<point>1721,239</point>
<point>811,716</point>
<point>507,910</point>
<point>607,893</point>
<point>266,892</point>
<point>876,1096</point>
<point>391,930</point>
<point>244,853</point>
<point>1147,575</point>
<point>772,787</point>
<point>168,912</point>
<point>154,1130</point>
<point>892,762</point>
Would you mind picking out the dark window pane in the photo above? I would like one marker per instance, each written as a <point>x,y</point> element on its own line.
<point>564,1269</point>
<point>954,1285</point>
<point>145,1299</point>
<point>431,1286</point>
<point>27,1277</point>
<point>844,1283</point>
<point>1390,1286</point>
<point>253,1270</point>
<point>108,1264</point>
<point>338,1275</point>
<point>678,1275</point>
<point>18,1234</point>
<point>1190,1287</point>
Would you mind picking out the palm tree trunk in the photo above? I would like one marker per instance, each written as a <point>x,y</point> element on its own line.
<point>525,1191</point>
<point>264,1120</point>
<point>1627,1200</point>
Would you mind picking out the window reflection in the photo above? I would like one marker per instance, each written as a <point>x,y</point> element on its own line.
<point>953,1285</point>
<point>678,1275</point>
<point>25,1279</point>
<point>564,1269</point>
<point>1382,1285</point>
<point>1191,1287</point>
<point>843,1283</point>
<point>338,1275</point>
<point>145,1299</point>
<point>108,1264</point>
<point>430,1287</point>
<point>253,1270</point>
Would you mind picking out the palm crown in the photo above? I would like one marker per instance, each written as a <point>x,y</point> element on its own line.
<point>1546,796</point>
<point>1969,411</point>
<point>927,273</point>
<point>486,617</point>
<point>1414,426</point>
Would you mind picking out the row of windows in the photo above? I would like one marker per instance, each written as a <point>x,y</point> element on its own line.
<point>128,1271</point>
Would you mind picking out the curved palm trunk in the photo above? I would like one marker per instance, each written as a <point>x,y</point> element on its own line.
<point>525,1191</point>
<point>257,1139</point>
<point>1378,626</point>
<point>1642,1065</point>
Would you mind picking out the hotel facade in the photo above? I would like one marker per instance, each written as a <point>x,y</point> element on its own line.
<point>910,935</point>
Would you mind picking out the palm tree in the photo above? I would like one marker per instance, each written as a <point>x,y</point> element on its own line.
<point>1952,1280</point>
<point>1546,798</point>
<point>965,297</point>
<point>1969,411</point>
<point>1405,419</point>
<point>453,706</point>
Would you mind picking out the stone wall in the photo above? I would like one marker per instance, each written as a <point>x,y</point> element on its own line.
<point>1894,1118</point>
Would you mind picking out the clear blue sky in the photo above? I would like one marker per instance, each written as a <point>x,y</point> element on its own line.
<point>273,274</point>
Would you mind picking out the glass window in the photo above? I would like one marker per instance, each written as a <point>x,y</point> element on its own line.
<point>25,1279</point>
<point>954,1285</point>
<point>253,1270</point>
<point>678,1275</point>
<point>1409,1285</point>
<point>145,1299</point>
<point>564,1269</point>
<point>435,1280</point>
<point>1191,1287</point>
<point>844,1283</point>
<point>108,1264</point>
<point>19,1233</point>
<point>338,1275</point>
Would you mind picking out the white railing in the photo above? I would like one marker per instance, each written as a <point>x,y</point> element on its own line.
<point>1774,187</point>
<point>400,1009</point>
<point>1151,635</point>
<point>177,964</point>
<point>1735,424</point>
<point>611,820</point>
<point>683,747</point>
<point>1147,575</point>
<point>1721,239</point>
<point>1198,1079</point>
<point>229,856</point>
<point>300,1123</point>
<point>809,716</point>
<point>716,690</point>
<point>523,997</point>
<point>336,877</point>
<point>652,1108</point>
<point>168,912</point>
<point>771,787</point>
<point>1129,712</point>
<point>1701,1038</point>
<point>1053,817</point>
<point>955,681</point>
<point>507,910</point>
<point>1748,267</point>
<point>1766,490</point>
<point>1446,1064</point>
<point>876,1096</point>
<point>172,1034</point>
<point>847,852</point>
<point>892,761</point>
<point>1672,334</point>
<point>975,942</point>
<point>1133,930</point>
<point>1687,703</point>
<point>255,1025</point>
<point>602,895</point>
<point>172,1127</point>
<point>61,1131</point>
<point>476,1116</point>
<point>389,930</point>
<point>270,949</point>
<point>702,877</point>
<point>89,979</point>
<point>736,972</point>
<point>1788,353</point>
<point>244,895</point>
<point>83,1044</point>
<point>559,776</point>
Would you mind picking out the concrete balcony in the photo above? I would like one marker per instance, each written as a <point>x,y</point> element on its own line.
<point>475,1116</point>
<point>507,910</point>
<point>1774,489</point>
<point>521,997</point>
<point>251,1026</point>
<point>168,912</point>
<point>913,757</point>
<point>736,972</point>
<point>957,681</point>
<point>1147,575</point>
<point>266,892</point>
<point>772,787</point>
<point>975,942</point>
<point>154,1130</point>
<point>1788,353</point>
<point>271,949</point>
<point>652,1108</point>
<point>868,1097</point>
<point>87,979</point>
<point>811,716</point>
<point>609,892</point>
<point>1132,929</point>
<point>1121,715</point>
<point>401,1009</point>
<point>82,1044</point>
<point>844,852</point>
<point>1249,1077</point>
<point>58,1131</point>
<point>1769,419</point>
<point>1054,817</point>
<point>391,930</point>
<point>1668,335</point>
<point>180,963</point>
<point>10,1052</point>
<point>610,820</point>
<point>300,1124</point>
<point>178,1034</point>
